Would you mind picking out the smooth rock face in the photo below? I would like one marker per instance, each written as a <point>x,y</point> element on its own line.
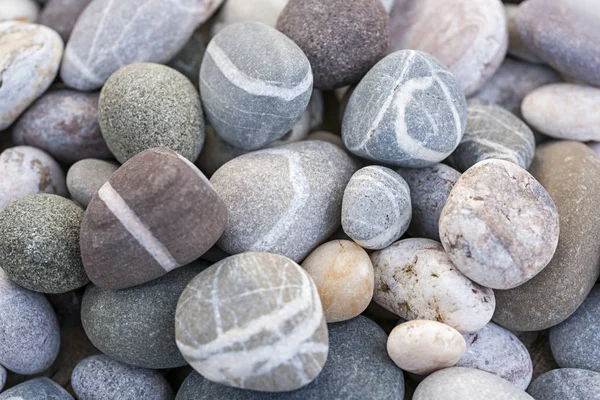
<point>566,384</point>
<point>154,214</point>
<point>100,377</point>
<point>342,39</point>
<point>468,36</point>
<point>19,10</point>
<point>499,226</point>
<point>516,46</point>
<point>376,209</point>
<point>407,111</point>
<point>86,177</point>
<point>357,368</point>
<point>253,321</point>
<point>343,274</point>
<point>262,75</point>
<point>135,325</point>
<point>415,279</point>
<point>429,190</point>
<point>147,105</point>
<point>61,15</point>
<point>29,59</point>
<point>26,170</point>
<point>569,171</point>
<point>264,11</point>
<point>36,389</point>
<point>285,200</point>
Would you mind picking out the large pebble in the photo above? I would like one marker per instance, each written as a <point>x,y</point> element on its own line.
<point>61,15</point>
<point>285,200</point>
<point>566,384</point>
<point>253,321</point>
<point>19,10</point>
<point>499,226</point>
<point>265,11</point>
<point>415,279</point>
<point>407,111</point>
<point>29,59</point>
<point>86,177</point>
<point>516,46</point>
<point>36,389</point>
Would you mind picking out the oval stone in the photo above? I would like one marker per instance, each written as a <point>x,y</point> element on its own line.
<point>19,10</point>
<point>36,389</point>
<point>516,46</point>
<point>86,177</point>
<point>61,15</point>
<point>566,384</point>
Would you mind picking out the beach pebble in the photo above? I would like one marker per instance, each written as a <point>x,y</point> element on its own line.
<point>19,10</point>
<point>61,15</point>
<point>342,39</point>
<point>36,389</point>
<point>407,111</point>
<point>100,377</point>
<point>566,384</point>
<point>285,200</point>
<point>253,321</point>
<point>86,177</point>
<point>499,226</point>
<point>39,243</point>
<point>516,47</point>
<point>148,105</point>
<point>136,325</point>
<point>26,170</point>
<point>343,274</point>
<point>154,214</point>
<point>189,58</point>
<point>376,209</point>
<point>569,171</point>
<point>264,11</point>
<point>29,59</point>
<point>415,279</point>
<point>429,190</point>
<point>65,124</point>
<point>261,74</point>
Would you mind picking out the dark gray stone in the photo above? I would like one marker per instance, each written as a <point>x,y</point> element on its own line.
<point>189,59</point>
<point>86,177</point>
<point>566,384</point>
<point>36,389</point>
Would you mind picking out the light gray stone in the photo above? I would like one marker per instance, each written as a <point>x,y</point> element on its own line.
<point>86,177</point>
<point>19,10</point>
<point>264,11</point>
<point>61,15</point>
<point>36,389</point>
<point>566,384</point>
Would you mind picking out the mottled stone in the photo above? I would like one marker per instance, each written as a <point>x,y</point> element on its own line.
<point>499,226</point>
<point>566,384</point>
<point>189,58</point>
<point>253,321</point>
<point>86,177</point>
<point>265,11</point>
<point>36,389</point>
<point>407,111</point>
<point>19,10</point>
<point>61,15</point>
<point>342,39</point>
<point>516,45</point>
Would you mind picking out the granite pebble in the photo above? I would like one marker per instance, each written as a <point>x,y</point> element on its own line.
<point>86,177</point>
<point>19,10</point>
<point>61,15</point>
<point>566,384</point>
<point>36,389</point>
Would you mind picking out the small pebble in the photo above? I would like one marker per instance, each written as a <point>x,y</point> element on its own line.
<point>36,389</point>
<point>19,10</point>
<point>61,15</point>
<point>233,11</point>
<point>516,47</point>
<point>566,384</point>
<point>86,177</point>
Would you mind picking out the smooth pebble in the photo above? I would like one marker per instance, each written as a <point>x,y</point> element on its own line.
<point>36,389</point>
<point>233,11</point>
<point>86,177</point>
<point>566,384</point>
<point>19,10</point>
<point>516,46</point>
<point>61,15</point>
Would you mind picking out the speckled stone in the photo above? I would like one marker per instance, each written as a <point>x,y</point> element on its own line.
<point>36,389</point>
<point>2,377</point>
<point>516,47</point>
<point>357,368</point>
<point>569,171</point>
<point>253,321</point>
<point>376,209</point>
<point>265,11</point>
<point>342,39</point>
<point>100,377</point>
<point>19,10</point>
<point>566,384</point>
<point>499,226</point>
<point>429,190</point>
<point>135,325</point>
<point>86,177</point>
<point>39,243</point>
<point>61,15</point>
<point>26,170</point>
<point>285,200</point>
<point>148,105</point>
<point>29,59</point>
<point>407,111</point>
<point>189,58</point>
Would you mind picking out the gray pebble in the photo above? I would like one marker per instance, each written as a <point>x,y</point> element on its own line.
<point>86,177</point>
<point>189,59</point>
<point>36,389</point>
<point>566,384</point>
<point>61,15</point>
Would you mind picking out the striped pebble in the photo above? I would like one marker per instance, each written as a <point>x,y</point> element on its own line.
<point>253,321</point>
<point>156,213</point>
<point>408,111</point>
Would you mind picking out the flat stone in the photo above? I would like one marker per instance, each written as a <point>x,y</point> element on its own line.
<point>19,10</point>
<point>233,11</point>
<point>61,15</point>
<point>566,384</point>
<point>36,389</point>
<point>86,177</point>
<point>516,46</point>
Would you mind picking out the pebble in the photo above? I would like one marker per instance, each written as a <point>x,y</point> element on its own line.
<point>135,326</point>
<point>31,336</point>
<point>146,105</point>
<point>154,214</point>
<point>39,243</point>
<point>342,39</point>
<point>260,73</point>
<point>415,279</point>
<point>343,274</point>
<point>407,111</point>
<point>61,15</point>
<point>233,11</point>
<point>422,347</point>
<point>285,200</point>
<point>19,10</point>
<point>86,177</point>
<point>516,46</point>
<point>468,36</point>
<point>566,384</point>
<point>499,226</point>
<point>29,59</point>
<point>65,124</point>
<point>36,389</point>
<point>189,58</point>
<point>376,209</point>
<point>26,170</point>
<point>100,377</point>
<point>569,171</point>
<point>429,190</point>
<point>253,321</point>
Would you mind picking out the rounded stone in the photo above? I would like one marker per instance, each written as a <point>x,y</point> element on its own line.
<point>415,279</point>
<point>39,243</point>
<point>100,377</point>
<point>61,15</point>
<point>260,73</point>
<point>407,111</point>
<point>342,39</point>
<point>516,47</point>
<point>30,55</point>
<point>343,274</point>
<point>19,10</point>
<point>566,384</point>
<point>136,325</point>
<point>36,389</point>
<point>86,177</point>
<point>233,11</point>
<point>253,321</point>
<point>499,226</point>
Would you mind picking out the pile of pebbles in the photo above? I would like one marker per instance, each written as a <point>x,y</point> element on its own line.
<point>299,199</point>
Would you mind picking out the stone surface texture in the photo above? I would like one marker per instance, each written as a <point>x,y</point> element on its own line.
<point>516,46</point>
<point>61,15</point>
<point>86,177</point>
<point>36,389</point>
<point>566,384</point>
